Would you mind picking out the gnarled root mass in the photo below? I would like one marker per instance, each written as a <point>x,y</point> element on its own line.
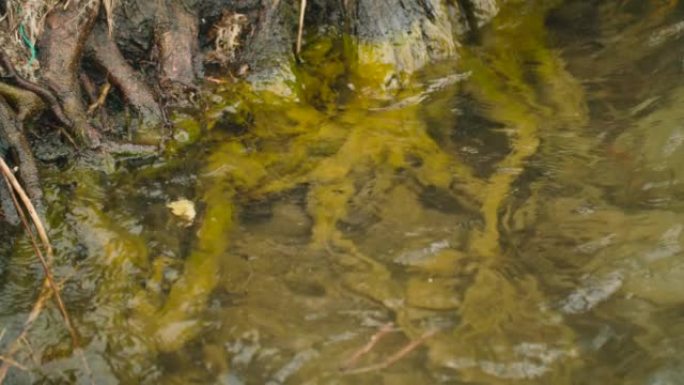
<point>11,133</point>
<point>61,46</point>
<point>104,51</point>
<point>122,38</point>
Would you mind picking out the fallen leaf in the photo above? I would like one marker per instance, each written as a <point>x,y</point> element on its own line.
<point>183,208</point>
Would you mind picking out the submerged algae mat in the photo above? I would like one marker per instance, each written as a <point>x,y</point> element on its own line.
<point>481,211</point>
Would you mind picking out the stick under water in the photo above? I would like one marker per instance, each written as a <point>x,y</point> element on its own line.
<point>49,285</point>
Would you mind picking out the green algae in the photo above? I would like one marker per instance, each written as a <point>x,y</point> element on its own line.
<point>356,155</point>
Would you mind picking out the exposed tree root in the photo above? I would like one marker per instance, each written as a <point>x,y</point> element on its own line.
<point>42,92</point>
<point>24,102</point>
<point>62,44</point>
<point>131,83</point>
<point>269,49</point>
<point>11,133</point>
<point>176,33</point>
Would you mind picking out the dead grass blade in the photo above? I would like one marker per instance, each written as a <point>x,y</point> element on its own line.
<point>300,31</point>
<point>109,11</point>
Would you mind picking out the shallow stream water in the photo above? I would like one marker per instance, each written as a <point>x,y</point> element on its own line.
<point>511,217</point>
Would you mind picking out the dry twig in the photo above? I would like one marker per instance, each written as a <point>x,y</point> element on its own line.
<point>12,363</point>
<point>300,31</point>
<point>375,338</point>
<point>100,101</point>
<point>38,306</point>
<point>394,358</point>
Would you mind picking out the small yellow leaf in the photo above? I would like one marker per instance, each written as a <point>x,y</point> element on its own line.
<point>183,208</point>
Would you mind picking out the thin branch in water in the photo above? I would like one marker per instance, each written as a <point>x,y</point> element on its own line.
<point>13,363</point>
<point>15,189</point>
<point>45,260</point>
<point>394,358</point>
<point>32,354</point>
<point>38,306</point>
<point>375,338</point>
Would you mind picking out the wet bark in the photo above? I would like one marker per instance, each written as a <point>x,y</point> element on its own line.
<point>177,30</point>
<point>27,106</point>
<point>26,103</point>
<point>407,33</point>
<point>130,82</point>
<point>61,47</point>
<point>270,49</point>
<point>11,133</point>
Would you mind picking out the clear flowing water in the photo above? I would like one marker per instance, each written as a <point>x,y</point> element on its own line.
<point>513,217</point>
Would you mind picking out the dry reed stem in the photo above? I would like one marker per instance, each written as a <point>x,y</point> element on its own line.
<point>109,11</point>
<point>300,31</point>
<point>45,261</point>
<point>14,185</point>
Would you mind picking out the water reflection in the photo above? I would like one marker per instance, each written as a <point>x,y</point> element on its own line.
<point>513,219</point>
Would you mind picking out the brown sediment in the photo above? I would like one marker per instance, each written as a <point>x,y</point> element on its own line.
<point>130,82</point>
<point>61,47</point>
